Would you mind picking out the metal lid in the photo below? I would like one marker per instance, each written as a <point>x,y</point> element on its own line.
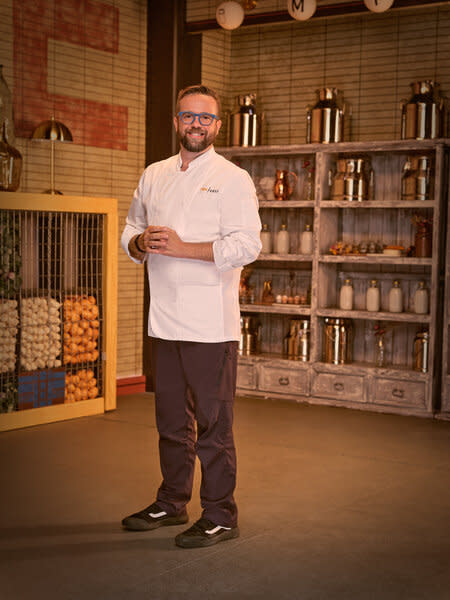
<point>327,93</point>
<point>422,334</point>
<point>246,99</point>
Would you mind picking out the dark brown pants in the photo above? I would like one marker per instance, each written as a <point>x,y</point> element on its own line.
<point>195,383</point>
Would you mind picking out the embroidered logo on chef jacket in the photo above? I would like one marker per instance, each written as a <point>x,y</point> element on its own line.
<point>209,189</point>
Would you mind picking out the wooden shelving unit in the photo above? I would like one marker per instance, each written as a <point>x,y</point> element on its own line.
<point>386,218</point>
<point>77,210</point>
<point>445,388</point>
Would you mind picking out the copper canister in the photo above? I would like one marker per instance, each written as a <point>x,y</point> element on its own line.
<point>421,351</point>
<point>245,124</point>
<point>423,116</point>
<point>352,180</point>
<point>298,340</point>
<point>337,341</point>
<point>417,178</point>
<point>248,342</point>
<point>325,120</point>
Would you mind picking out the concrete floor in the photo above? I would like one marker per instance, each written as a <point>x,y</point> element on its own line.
<point>334,504</point>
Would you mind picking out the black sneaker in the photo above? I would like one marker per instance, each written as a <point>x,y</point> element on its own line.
<point>205,533</point>
<point>151,518</point>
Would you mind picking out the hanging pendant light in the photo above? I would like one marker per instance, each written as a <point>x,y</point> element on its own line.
<point>229,14</point>
<point>301,10</point>
<point>52,131</point>
<point>378,6</point>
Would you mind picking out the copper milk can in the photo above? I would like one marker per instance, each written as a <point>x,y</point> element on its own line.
<point>325,120</point>
<point>249,339</point>
<point>297,342</point>
<point>423,116</point>
<point>417,178</point>
<point>245,124</point>
<point>337,341</point>
<point>421,351</point>
<point>353,180</point>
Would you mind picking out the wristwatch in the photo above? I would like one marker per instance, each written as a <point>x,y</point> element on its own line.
<point>137,245</point>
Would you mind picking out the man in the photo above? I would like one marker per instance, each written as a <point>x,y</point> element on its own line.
<point>194,220</point>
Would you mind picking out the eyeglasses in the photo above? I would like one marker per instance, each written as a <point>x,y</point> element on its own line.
<point>204,118</point>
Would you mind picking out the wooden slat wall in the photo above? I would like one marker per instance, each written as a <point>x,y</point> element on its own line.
<point>116,78</point>
<point>371,58</point>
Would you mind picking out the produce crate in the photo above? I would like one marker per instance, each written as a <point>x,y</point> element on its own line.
<point>41,388</point>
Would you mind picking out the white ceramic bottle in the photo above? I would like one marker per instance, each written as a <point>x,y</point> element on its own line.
<point>421,299</point>
<point>306,241</point>
<point>266,240</point>
<point>282,240</point>
<point>346,296</point>
<point>373,297</point>
<point>395,298</point>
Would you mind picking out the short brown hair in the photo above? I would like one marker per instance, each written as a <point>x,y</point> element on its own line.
<point>198,89</point>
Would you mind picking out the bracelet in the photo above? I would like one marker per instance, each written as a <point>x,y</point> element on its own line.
<point>137,245</point>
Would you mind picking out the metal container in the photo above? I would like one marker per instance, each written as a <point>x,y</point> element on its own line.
<point>353,180</point>
<point>417,178</point>
<point>249,339</point>
<point>337,341</point>
<point>297,342</point>
<point>423,116</point>
<point>245,124</point>
<point>325,120</point>
<point>421,351</point>
<point>285,182</point>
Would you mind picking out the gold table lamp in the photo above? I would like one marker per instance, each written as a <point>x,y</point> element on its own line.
<point>52,131</point>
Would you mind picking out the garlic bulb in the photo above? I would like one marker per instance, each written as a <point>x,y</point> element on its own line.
<point>9,319</point>
<point>40,334</point>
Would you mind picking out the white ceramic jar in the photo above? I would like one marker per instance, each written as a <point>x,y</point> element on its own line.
<point>306,241</point>
<point>421,301</point>
<point>266,240</point>
<point>346,296</point>
<point>395,298</point>
<point>282,240</point>
<point>373,300</point>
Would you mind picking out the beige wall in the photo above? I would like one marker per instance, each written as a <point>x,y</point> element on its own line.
<point>76,71</point>
<point>371,58</point>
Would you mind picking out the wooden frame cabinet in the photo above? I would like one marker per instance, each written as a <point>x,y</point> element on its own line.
<point>384,218</point>
<point>445,390</point>
<point>58,242</point>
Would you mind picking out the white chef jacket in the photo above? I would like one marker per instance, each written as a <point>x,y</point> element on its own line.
<point>213,200</point>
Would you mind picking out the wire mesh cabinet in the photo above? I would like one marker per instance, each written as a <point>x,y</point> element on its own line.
<point>58,307</point>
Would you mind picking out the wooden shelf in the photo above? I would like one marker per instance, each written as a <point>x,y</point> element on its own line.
<point>375,259</point>
<point>358,368</point>
<point>282,309</point>
<point>377,204</point>
<point>384,146</point>
<point>388,220</point>
<point>286,204</point>
<point>270,357</point>
<point>403,317</point>
<point>286,257</point>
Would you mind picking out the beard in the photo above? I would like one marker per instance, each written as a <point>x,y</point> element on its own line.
<point>197,145</point>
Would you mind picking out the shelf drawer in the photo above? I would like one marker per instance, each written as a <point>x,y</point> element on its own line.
<point>284,380</point>
<point>334,385</point>
<point>399,392</point>
<point>246,377</point>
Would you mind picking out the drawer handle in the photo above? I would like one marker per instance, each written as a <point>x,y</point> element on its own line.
<point>339,387</point>
<point>283,380</point>
<point>398,393</point>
